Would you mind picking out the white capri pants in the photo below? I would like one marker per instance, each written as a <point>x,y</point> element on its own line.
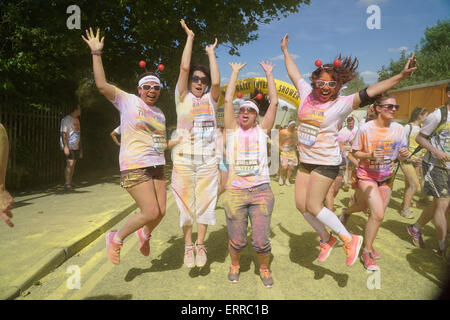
<point>194,187</point>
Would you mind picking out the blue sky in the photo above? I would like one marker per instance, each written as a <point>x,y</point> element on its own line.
<point>328,27</point>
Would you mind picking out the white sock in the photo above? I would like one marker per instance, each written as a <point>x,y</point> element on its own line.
<point>442,245</point>
<point>328,218</point>
<point>315,223</point>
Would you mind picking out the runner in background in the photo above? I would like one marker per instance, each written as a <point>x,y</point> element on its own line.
<point>143,141</point>
<point>320,112</point>
<point>378,144</point>
<point>70,141</point>
<point>248,194</point>
<point>434,136</point>
<point>114,134</point>
<point>195,166</point>
<point>288,153</point>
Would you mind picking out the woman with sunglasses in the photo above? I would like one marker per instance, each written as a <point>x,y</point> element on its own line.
<point>143,141</point>
<point>320,112</point>
<point>378,144</point>
<point>195,168</point>
<point>248,194</point>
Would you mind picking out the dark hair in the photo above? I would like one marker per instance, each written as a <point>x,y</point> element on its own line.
<point>380,99</point>
<point>342,74</point>
<point>73,107</point>
<point>262,104</point>
<point>418,111</point>
<point>350,119</point>
<point>200,67</point>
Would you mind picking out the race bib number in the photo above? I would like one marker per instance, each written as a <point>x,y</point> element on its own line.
<point>203,125</point>
<point>307,133</point>
<point>377,164</point>
<point>246,167</point>
<point>159,143</point>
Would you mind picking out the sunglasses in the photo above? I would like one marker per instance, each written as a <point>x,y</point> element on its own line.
<point>150,86</point>
<point>390,106</point>
<point>203,80</point>
<point>321,83</point>
<point>247,109</point>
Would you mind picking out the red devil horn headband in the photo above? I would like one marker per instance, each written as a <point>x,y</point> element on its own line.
<point>336,63</point>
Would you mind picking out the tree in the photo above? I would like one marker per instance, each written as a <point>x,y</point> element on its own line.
<point>433,58</point>
<point>355,85</point>
<point>42,63</point>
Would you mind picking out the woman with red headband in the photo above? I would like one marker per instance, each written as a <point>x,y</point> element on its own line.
<point>143,129</point>
<point>320,112</point>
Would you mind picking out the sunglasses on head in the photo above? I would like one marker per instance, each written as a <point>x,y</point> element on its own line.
<point>331,84</point>
<point>390,106</point>
<point>203,80</point>
<point>150,86</point>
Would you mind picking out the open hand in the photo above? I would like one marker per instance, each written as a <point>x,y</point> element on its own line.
<point>237,66</point>
<point>211,47</point>
<point>267,66</point>
<point>186,29</point>
<point>94,42</point>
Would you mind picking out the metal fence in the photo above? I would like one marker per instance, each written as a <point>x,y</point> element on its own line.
<point>34,156</point>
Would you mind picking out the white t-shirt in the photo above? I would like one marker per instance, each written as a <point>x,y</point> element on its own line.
<point>195,116</point>
<point>319,126</point>
<point>247,157</point>
<point>71,126</point>
<point>143,132</point>
<point>440,141</point>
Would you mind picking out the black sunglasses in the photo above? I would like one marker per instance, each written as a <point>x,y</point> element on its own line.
<point>390,106</point>
<point>203,80</point>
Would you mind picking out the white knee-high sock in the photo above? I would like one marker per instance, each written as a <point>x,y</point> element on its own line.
<point>328,218</point>
<point>317,225</point>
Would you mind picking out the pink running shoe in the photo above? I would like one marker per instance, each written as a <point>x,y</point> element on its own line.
<point>325,248</point>
<point>375,254</point>
<point>369,262</point>
<point>352,249</point>
<point>144,241</point>
<point>113,248</point>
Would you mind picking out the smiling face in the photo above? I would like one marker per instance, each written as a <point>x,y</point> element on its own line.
<point>198,83</point>
<point>325,93</point>
<point>247,117</point>
<point>151,95</point>
<point>385,113</point>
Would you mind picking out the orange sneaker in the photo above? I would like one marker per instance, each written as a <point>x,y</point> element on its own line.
<point>113,248</point>
<point>144,242</point>
<point>369,261</point>
<point>325,248</point>
<point>352,249</point>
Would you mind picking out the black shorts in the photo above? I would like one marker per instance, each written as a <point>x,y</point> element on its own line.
<point>328,171</point>
<point>436,182</point>
<point>73,155</point>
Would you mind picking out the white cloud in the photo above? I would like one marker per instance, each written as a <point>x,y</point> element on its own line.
<point>369,77</point>
<point>281,57</point>
<point>398,50</point>
<point>252,74</point>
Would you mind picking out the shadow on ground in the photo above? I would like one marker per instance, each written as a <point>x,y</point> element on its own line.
<point>303,251</point>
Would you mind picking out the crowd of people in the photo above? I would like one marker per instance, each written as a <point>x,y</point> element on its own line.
<point>320,152</point>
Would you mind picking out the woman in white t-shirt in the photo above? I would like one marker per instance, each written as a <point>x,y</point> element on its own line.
<point>143,141</point>
<point>320,112</point>
<point>248,194</point>
<point>195,171</point>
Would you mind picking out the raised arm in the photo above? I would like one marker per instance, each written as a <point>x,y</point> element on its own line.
<point>215,73</point>
<point>385,85</point>
<point>183,78</point>
<point>229,118</point>
<point>291,67</point>
<point>96,46</point>
<point>271,113</point>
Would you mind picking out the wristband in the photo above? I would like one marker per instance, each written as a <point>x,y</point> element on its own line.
<point>96,53</point>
